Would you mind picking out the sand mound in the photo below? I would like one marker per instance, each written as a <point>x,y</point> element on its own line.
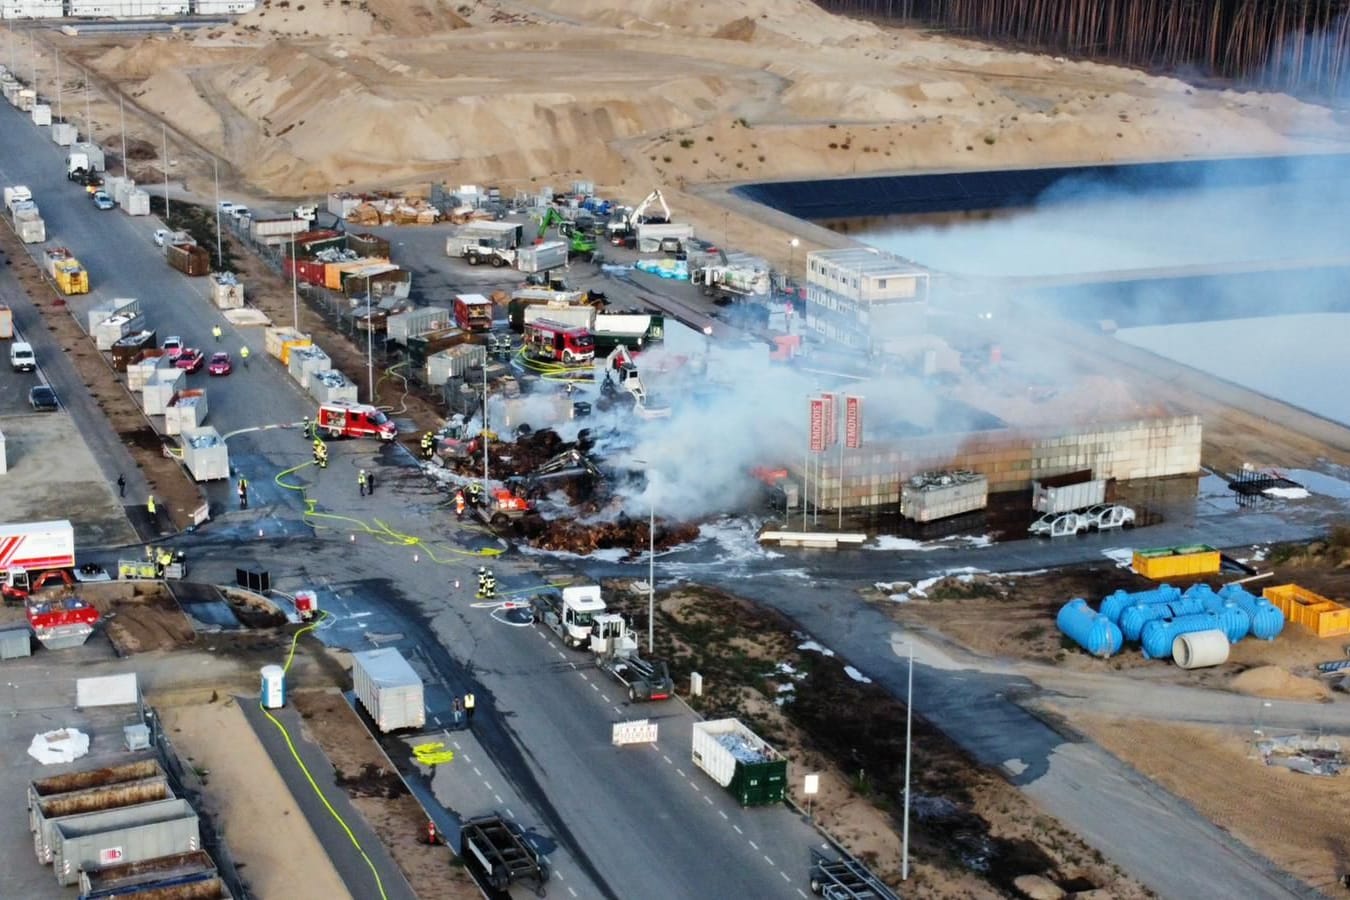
<point>1276,683</point>
<point>742,29</point>
<point>369,18</point>
<point>798,19</point>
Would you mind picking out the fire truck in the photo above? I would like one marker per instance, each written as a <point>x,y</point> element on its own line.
<point>473,312</point>
<point>344,419</point>
<point>34,554</point>
<point>553,341</point>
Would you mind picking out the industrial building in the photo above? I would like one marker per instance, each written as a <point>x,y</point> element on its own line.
<point>861,297</point>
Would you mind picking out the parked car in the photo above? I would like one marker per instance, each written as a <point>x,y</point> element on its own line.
<point>103,201</point>
<point>172,346</point>
<point>161,235</point>
<point>191,360</point>
<point>220,364</point>
<point>226,207</point>
<point>1059,525</point>
<point>43,399</point>
<point>240,212</point>
<point>1108,515</point>
<point>21,357</point>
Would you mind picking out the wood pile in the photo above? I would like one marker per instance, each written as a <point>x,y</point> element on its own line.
<point>393,211</point>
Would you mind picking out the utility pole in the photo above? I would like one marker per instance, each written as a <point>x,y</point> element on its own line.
<point>122,111</point>
<point>485,428</point>
<point>88,117</point>
<point>909,746</point>
<point>295,285</point>
<point>164,134</point>
<point>370,353</point>
<point>58,85</point>
<point>220,259</point>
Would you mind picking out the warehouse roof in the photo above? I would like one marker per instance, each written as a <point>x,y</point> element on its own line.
<point>867,261</point>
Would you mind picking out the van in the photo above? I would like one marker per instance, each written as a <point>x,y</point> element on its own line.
<point>21,358</point>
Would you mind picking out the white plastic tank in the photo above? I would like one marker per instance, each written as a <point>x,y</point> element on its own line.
<point>1200,649</point>
<point>273,687</point>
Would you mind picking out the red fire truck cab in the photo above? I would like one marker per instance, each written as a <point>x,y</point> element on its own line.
<point>343,419</point>
<point>556,342</point>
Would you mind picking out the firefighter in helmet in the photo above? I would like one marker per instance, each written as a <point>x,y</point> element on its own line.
<point>482,580</point>
<point>320,453</point>
<point>475,493</point>
<point>490,586</point>
<point>428,445</point>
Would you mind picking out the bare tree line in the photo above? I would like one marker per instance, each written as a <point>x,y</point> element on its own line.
<point>1294,45</point>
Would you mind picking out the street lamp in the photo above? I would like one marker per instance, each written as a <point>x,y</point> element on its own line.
<point>651,563</point>
<point>370,357</point>
<point>909,723</point>
<point>792,256</point>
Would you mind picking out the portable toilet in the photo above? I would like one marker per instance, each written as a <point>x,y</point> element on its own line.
<point>273,687</point>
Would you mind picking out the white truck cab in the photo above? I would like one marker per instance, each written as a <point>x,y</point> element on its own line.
<point>21,358</point>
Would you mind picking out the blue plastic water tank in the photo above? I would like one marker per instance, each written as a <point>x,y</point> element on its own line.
<point>1184,607</point>
<point>1158,635</point>
<point>1163,593</point>
<point>1090,630</point>
<point>1115,605</point>
<point>1235,623</point>
<point>1132,620</point>
<point>1267,620</point>
<point>1202,592</point>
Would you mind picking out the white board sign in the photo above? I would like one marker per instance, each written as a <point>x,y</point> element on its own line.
<point>812,785</point>
<point>638,731</point>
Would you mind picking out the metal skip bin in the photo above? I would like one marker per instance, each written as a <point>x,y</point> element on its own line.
<point>226,291</point>
<point>389,689</point>
<point>205,454</point>
<point>47,812</point>
<point>187,409</point>
<point>159,391</point>
<point>331,386</point>
<point>305,362</point>
<point>125,835</point>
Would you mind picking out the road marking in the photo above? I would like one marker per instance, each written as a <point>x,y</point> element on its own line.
<point>707,799</point>
<point>456,743</point>
<point>559,876</point>
<point>584,677</point>
<point>573,665</point>
<point>767,860</point>
<point>799,890</point>
<point>722,814</point>
<point>562,655</point>
<point>680,772</point>
<point>487,784</point>
<point>617,710</point>
<point>754,845</point>
<point>666,758</point>
<point>499,797</point>
<point>570,891</point>
<point>436,720</point>
<point>476,772</point>
<point>595,688</point>
<point>785,876</point>
<point>695,787</point>
<point>738,829</point>
<point>511,815</point>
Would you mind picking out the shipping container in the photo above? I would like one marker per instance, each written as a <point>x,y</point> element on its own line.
<point>157,393</point>
<point>6,322</point>
<point>123,835</point>
<point>129,349</point>
<point>112,329</point>
<point>140,373</point>
<point>307,270</point>
<point>276,339</point>
<point>331,386</point>
<point>276,231</point>
<point>411,323</point>
<point>1174,562</point>
<point>305,362</point>
<point>542,257</point>
<point>64,134</point>
<point>333,271</point>
<point>1068,492</point>
<point>189,259</point>
<point>41,113</point>
<point>122,879</point>
<point>940,495</point>
<point>226,291</point>
<point>187,409</point>
<point>48,811</point>
<point>389,689</point>
<point>454,363</point>
<point>740,761</point>
<point>205,454</point>
<point>120,305</point>
<point>369,245</point>
<point>137,203</point>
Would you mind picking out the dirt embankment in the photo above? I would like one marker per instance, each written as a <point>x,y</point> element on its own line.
<point>972,834</point>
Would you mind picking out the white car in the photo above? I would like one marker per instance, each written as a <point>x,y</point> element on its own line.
<point>1059,524</point>
<point>226,207</point>
<point>172,347</point>
<point>161,235</point>
<point>1109,515</point>
<point>240,212</point>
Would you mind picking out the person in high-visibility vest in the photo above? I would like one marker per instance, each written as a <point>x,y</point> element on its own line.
<point>309,429</point>
<point>162,562</point>
<point>318,448</point>
<point>243,492</point>
<point>215,333</point>
<point>243,354</point>
<point>490,586</point>
<point>468,706</point>
<point>321,455</point>
<point>361,481</point>
<point>459,504</point>
<point>150,505</point>
<point>428,445</point>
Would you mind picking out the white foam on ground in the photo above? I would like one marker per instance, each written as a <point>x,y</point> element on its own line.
<point>64,745</point>
<point>818,648</point>
<point>1294,493</point>
<point>856,675</point>
<point>1123,557</point>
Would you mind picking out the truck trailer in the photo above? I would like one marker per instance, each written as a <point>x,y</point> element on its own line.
<point>616,653</point>
<point>389,689</point>
<point>740,761</point>
<point>500,853</point>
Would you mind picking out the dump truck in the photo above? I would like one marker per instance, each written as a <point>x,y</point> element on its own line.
<point>740,761</point>
<point>569,614</point>
<point>845,879</point>
<point>616,652</point>
<point>71,278</point>
<point>500,855</point>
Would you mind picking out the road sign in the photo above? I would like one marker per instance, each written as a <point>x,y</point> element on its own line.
<point>811,785</point>
<point>853,422</point>
<point>637,731</point>
<point>817,425</point>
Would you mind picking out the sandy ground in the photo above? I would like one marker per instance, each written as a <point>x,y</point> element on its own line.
<point>140,617</point>
<point>301,98</point>
<point>380,796</point>
<point>1297,821</point>
<point>265,829</point>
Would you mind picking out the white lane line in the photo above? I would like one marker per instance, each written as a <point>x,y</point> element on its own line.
<point>511,815</point>
<point>709,799</point>
<point>722,814</point>
<point>559,876</point>
<point>499,797</point>
<point>487,784</point>
<point>695,787</point>
<point>802,892</point>
<point>573,665</point>
<point>456,743</point>
<point>666,758</point>
<point>754,845</point>
<point>561,655</point>
<point>570,891</point>
<point>680,772</point>
<point>584,677</point>
<point>738,829</point>
<point>785,876</point>
<point>476,772</point>
<point>767,860</point>
<point>595,688</point>
<point>617,710</point>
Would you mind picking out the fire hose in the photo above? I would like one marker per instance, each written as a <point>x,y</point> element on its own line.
<point>380,531</point>
<point>290,657</point>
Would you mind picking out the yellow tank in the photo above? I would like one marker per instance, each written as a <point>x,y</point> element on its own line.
<point>71,277</point>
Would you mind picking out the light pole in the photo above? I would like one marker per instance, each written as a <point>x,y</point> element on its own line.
<point>164,135</point>
<point>909,731</point>
<point>295,285</point>
<point>792,258</point>
<point>122,113</point>
<point>220,259</point>
<point>370,359</point>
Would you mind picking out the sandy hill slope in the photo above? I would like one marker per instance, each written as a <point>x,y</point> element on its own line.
<point>309,96</point>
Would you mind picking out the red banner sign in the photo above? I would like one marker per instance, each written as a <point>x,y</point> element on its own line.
<point>817,426</point>
<point>831,419</point>
<point>853,423</point>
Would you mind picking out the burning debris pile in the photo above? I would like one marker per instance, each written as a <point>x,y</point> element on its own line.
<point>623,533</point>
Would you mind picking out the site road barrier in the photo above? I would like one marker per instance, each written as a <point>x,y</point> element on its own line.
<point>637,731</point>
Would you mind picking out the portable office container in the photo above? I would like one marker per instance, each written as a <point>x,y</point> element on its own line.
<point>389,689</point>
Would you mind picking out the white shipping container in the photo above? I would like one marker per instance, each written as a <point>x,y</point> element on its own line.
<point>139,374</point>
<point>1066,498</point>
<point>126,306</point>
<point>226,291</point>
<point>402,326</point>
<point>454,363</point>
<point>51,543</point>
<point>187,409</point>
<point>64,133</point>
<point>714,758</point>
<point>224,7</point>
<point>159,391</point>
<point>113,328</point>
<point>42,113</point>
<point>137,203</point>
<point>32,231</point>
<point>542,257</point>
<point>331,386</point>
<point>32,9</point>
<point>389,689</point>
<point>205,454</point>
<point>940,495</point>
<point>306,362</point>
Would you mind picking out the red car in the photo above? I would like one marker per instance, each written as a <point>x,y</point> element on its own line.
<point>190,359</point>
<point>220,364</point>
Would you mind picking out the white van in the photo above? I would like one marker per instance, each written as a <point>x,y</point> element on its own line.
<point>21,358</point>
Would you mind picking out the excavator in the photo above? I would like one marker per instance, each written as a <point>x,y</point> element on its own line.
<point>623,384</point>
<point>569,464</point>
<point>579,242</point>
<point>549,219</point>
<point>622,227</point>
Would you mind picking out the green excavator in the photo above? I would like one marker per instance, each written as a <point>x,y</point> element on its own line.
<point>579,243</point>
